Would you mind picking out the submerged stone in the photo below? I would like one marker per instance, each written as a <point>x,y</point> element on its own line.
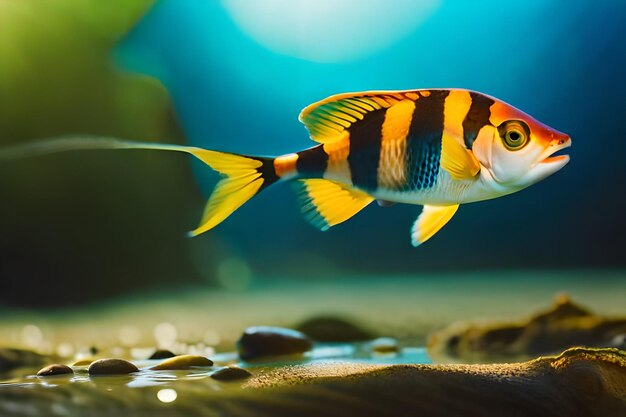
<point>230,373</point>
<point>55,369</point>
<point>260,341</point>
<point>111,367</point>
<point>333,329</point>
<point>162,354</point>
<point>182,362</point>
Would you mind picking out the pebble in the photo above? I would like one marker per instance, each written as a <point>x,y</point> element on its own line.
<point>83,362</point>
<point>111,367</point>
<point>230,373</point>
<point>55,369</point>
<point>333,329</point>
<point>263,341</point>
<point>162,354</point>
<point>384,345</point>
<point>182,362</point>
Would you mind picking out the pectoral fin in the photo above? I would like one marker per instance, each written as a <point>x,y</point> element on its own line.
<point>431,219</point>
<point>458,161</point>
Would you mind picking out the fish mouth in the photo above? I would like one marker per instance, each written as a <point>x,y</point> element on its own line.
<point>549,156</point>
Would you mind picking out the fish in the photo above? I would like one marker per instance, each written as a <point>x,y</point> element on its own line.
<point>438,148</point>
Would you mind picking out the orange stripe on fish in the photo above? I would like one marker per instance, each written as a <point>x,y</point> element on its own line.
<point>457,106</point>
<point>286,165</point>
<point>337,166</point>
<point>392,164</point>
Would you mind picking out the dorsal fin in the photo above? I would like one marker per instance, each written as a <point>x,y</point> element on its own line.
<point>328,119</point>
<point>326,203</point>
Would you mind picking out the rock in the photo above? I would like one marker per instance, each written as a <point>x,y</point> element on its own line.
<point>16,358</point>
<point>182,362</point>
<point>161,354</point>
<point>230,373</point>
<point>262,341</point>
<point>55,369</point>
<point>562,308</point>
<point>565,324</point>
<point>333,329</point>
<point>384,345</point>
<point>111,367</point>
<point>83,362</point>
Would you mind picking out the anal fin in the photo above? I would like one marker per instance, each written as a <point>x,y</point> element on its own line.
<point>430,220</point>
<point>456,160</point>
<point>326,203</point>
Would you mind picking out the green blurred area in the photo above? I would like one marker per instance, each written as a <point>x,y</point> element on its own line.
<point>85,225</point>
<point>56,76</point>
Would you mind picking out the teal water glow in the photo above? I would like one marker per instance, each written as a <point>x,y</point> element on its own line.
<point>239,77</point>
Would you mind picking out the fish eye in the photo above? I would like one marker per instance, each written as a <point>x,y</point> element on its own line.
<point>514,134</point>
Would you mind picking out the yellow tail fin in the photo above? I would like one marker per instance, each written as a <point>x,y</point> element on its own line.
<point>244,176</point>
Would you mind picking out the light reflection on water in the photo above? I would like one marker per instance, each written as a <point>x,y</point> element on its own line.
<point>167,395</point>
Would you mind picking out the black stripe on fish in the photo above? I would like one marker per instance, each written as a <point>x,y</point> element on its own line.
<point>365,144</point>
<point>312,162</point>
<point>424,141</point>
<point>477,116</point>
<point>268,172</point>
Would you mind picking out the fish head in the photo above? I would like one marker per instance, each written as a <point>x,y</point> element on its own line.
<point>516,151</point>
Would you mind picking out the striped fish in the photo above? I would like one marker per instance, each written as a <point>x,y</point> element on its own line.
<point>438,148</point>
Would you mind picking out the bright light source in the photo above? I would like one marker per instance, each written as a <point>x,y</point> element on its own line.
<point>328,30</point>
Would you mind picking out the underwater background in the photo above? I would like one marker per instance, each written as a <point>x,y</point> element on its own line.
<point>100,285</point>
<point>233,75</point>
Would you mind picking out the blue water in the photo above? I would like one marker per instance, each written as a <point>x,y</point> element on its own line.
<point>562,62</point>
